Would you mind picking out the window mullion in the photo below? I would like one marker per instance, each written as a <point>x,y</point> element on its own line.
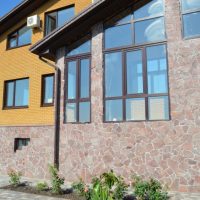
<point>14,94</point>
<point>124,84</point>
<point>145,80</point>
<point>77,89</point>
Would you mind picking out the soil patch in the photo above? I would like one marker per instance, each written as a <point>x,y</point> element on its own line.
<point>67,194</point>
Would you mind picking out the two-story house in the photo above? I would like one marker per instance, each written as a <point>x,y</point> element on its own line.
<point>126,95</point>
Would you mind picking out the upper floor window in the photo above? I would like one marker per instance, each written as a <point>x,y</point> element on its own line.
<point>136,84</point>
<point>16,93</point>
<point>77,85</point>
<point>20,37</point>
<point>58,18</point>
<point>191,18</point>
<point>47,90</point>
<point>138,26</point>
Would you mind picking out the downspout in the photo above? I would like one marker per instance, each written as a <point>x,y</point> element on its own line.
<point>57,85</point>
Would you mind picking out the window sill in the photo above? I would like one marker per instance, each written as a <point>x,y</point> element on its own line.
<point>192,37</point>
<point>11,48</point>
<point>15,108</point>
<point>47,105</point>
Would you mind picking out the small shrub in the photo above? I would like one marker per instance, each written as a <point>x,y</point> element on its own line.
<point>56,180</point>
<point>149,190</point>
<point>106,187</point>
<point>82,189</point>
<point>15,178</point>
<point>42,186</point>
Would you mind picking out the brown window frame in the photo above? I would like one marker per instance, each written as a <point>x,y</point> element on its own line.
<point>54,11</point>
<point>125,95</point>
<point>77,100</point>
<point>109,24</point>
<point>26,141</point>
<point>5,107</point>
<point>43,104</point>
<point>17,38</point>
<point>182,21</point>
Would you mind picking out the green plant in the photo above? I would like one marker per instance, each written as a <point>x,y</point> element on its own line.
<point>15,178</point>
<point>82,189</point>
<point>106,187</point>
<point>149,190</point>
<point>120,190</point>
<point>56,180</point>
<point>42,186</point>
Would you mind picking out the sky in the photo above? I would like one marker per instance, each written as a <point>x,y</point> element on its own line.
<point>7,5</point>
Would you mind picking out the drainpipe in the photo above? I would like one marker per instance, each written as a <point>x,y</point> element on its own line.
<point>57,85</point>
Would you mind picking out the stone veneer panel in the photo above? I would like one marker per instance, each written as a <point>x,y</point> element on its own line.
<point>167,150</point>
<point>33,159</point>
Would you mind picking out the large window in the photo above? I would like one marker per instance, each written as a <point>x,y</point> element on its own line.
<point>19,38</point>
<point>47,90</point>
<point>58,18</point>
<point>135,74</point>
<point>136,84</point>
<point>138,26</point>
<point>77,93</point>
<point>191,18</point>
<point>16,93</point>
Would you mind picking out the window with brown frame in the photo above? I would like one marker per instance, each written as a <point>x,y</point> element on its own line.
<point>136,74</point>
<point>57,18</point>
<point>190,18</point>
<point>77,85</point>
<point>20,143</point>
<point>19,38</point>
<point>16,94</point>
<point>48,90</point>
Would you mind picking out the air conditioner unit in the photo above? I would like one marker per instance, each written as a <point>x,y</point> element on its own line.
<point>33,21</point>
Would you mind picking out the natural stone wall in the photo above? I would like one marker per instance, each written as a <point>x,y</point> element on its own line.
<point>167,150</point>
<point>33,159</point>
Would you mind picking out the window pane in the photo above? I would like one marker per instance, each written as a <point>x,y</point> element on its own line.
<point>158,108</point>
<point>191,24</point>
<point>85,80</point>
<point>48,96</point>
<point>134,72</point>
<point>153,8</point>
<point>22,92</point>
<point>71,112</point>
<point>149,30</point>
<point>83,48</point>
<point>65,15</point>
<point>24,36</point>
<point>124,19</point>
<point>84,112</point>
<point>51,22</point>
<point>118,36</point>
<point>114,110</point>
<point>12,42</point>
<point>71,80</point>
<point>135,109</point>
<point>113,74</point>
<point>157,69</point>
<point>190,4</point>
<point>9,93</point>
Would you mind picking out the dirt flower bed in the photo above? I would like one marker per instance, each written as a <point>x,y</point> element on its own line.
<point>25,188</point>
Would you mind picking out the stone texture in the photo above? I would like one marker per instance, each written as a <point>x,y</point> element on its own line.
<point>33,159</point>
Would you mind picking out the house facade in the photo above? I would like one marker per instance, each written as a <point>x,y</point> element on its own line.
<point>127,95</point>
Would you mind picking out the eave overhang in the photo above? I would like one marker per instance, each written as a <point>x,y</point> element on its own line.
<point>80,25</point>
<point>18,13</point>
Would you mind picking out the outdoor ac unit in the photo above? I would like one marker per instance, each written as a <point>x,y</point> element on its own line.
<point>33,21</point>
